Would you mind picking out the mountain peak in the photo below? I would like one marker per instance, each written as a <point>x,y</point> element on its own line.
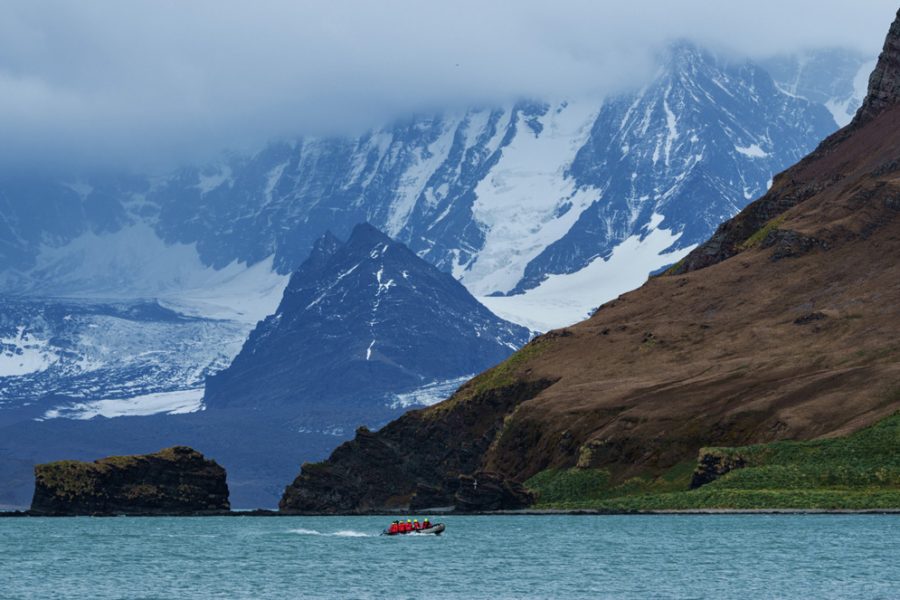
<point>357,326</point>
<point>326,245</point>
<point>884,82</point>
<point>366,234</point>
<point>322,250</point>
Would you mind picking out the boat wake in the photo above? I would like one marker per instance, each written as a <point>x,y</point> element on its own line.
<point>342,533</point>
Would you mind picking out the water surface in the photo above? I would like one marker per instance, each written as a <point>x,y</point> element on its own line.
<point>714,556</point>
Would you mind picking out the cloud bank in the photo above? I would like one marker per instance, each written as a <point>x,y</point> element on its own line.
<point>153,83</point>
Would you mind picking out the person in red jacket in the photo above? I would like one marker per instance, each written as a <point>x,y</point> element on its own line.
<point>426,524</point>
<point>416,525</point>
<point>394,528</point>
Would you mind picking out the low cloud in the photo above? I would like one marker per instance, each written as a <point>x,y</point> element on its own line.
<point>149,84</point>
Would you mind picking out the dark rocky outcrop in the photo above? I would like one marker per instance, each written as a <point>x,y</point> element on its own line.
<point>712,464</point>
<point>485,491</point>
<point>432,496</point>
<point>413,461</point>
<point>884,82</point>
<point>174,481</point>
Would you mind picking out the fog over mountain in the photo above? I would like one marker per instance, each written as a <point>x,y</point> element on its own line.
<point>154,84</point>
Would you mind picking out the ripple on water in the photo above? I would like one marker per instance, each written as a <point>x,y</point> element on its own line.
<point>717,556</point>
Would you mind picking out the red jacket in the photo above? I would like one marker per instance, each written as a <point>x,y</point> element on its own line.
<point>394,528</point>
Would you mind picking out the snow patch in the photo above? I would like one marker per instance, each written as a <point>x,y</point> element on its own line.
<point>24,354</point>
<point>562,300</point>
<point>753,151</point>
<point>207,182</point>
<point>135,263</point>
<point>425,163</point>
<point>429,394</point>
<point>518,205</point>
<point>170,403</point>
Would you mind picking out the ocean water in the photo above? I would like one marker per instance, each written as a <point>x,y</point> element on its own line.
<point>710,556</point>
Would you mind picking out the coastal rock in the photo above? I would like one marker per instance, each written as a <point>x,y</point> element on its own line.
<point>485,491</point>
<point>174,481</point>
<point>423,449</point>
<point>429,496</point>
<point>712,464</point>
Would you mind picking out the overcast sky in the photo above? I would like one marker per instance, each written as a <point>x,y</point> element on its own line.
<point>152,83</point>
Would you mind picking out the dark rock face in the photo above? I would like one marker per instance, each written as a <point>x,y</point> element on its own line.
<point>174,481</point>
<point>712,464</point>
<point>884,82</point>
<point>430,496</point>
<point>414,460</point>
<point>485,491</point>
<point>788,243</point>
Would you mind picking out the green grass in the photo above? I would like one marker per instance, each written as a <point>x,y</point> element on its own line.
<point>503,375</point>
<point>760,234</point>
<point>577,488</point>
<point>859,471</point>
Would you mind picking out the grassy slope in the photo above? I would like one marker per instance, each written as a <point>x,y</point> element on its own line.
<point>859,471</point>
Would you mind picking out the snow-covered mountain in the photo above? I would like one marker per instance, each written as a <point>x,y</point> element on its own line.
<point>360,323</point>
<point>510,199</point>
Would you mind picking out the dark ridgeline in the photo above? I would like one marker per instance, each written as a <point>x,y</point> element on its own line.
<point>782,326</point>
<point>359,322</point>
<point>174,481</point>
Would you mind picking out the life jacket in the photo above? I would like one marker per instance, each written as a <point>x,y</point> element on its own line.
<point>394,528</point>
<point>416,526</point>
<point>408,527</point>
<point>426,524</point>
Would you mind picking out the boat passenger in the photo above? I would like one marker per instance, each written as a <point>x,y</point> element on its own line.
<point>426,524</point>
<point>394,528</point>
<point>408,526</point>
<point>416,525</point>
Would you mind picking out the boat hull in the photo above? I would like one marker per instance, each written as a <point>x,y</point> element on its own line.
<point>436,529</point>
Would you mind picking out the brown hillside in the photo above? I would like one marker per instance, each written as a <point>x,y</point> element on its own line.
<point>785,325</point>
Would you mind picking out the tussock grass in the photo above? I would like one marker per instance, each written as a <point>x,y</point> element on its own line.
<point>859,471</point>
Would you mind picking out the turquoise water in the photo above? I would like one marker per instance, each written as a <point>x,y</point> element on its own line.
<point>715,556</point>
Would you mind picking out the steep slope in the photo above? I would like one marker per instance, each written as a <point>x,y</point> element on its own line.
<point>783,326</point>
<point>360,323</point>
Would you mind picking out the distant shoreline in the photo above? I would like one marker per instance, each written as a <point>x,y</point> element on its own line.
<point>522,512</point>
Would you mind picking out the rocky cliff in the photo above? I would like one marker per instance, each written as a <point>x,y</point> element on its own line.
<point>174,481</point>
<point>782,326</point>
